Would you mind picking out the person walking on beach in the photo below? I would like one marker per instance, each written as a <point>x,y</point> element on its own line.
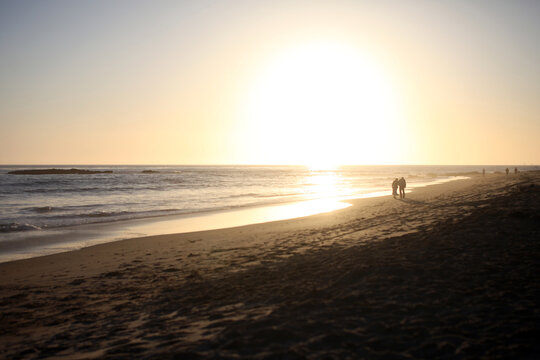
<point>507,171</point>
<point>394,187</point>
<point>402,185</point>
<point>515,171</point>
<point>484,172</point>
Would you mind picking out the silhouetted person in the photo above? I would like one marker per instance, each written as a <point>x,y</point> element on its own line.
<point>515,170</point>
<point>507,171</point>
<point>402,185</point>
<point>394,187</point>
<point>483,172</point>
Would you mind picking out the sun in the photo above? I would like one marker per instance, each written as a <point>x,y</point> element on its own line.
<point>322,104</point>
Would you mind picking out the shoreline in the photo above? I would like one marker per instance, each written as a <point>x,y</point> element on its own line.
<point>31,244</point>
<point>448,272</point>
<point>72,238</point>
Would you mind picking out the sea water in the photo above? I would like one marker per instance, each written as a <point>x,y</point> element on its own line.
<point>43,206</point>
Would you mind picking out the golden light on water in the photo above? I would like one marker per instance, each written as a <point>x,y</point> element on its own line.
<point>235,218</point>
<point>324,184</point>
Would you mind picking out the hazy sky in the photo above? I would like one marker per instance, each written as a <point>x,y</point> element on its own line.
<point>273,82</point>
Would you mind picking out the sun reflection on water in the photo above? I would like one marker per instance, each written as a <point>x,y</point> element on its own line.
<point>325,184</point>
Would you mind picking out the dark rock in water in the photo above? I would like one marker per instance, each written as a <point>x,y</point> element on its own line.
<point>150,172</point>
<point>57,172</point>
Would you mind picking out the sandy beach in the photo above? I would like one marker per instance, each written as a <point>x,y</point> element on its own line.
<point>449,272</point>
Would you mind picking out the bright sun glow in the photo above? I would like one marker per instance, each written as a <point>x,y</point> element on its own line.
<point>323,104</point>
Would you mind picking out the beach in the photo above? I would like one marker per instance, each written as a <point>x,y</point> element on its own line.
<point>451,271</point>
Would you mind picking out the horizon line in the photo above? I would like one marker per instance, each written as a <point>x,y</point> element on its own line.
<point>296,165</point>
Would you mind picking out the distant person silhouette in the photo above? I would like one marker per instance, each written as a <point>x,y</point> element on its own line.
<point>507,171</point>
<point>402,185</point>
<point>394,187</point>
<point>515,171</point>
<point>483,172</point>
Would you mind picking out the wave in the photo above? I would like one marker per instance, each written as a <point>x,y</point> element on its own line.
<point>57,209</point>
<point>111,214</point>
<point>262,196</point>
<point>40,209</point>
<point>65,220</point>
<point>278,195</point>
<point>240,195</point>
<point>102,214</point>
<point>104,189</point>
<point>13,227</point>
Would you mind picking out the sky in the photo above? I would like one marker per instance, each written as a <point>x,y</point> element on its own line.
<point>270,82</point>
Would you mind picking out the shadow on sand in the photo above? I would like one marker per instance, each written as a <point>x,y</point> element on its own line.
<point>412,202</point>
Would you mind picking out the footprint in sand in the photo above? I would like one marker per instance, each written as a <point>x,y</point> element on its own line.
<point>111,274</point>
<point>77,282</point>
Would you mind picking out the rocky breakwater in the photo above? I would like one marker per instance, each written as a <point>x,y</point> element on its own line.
<point>58,172</point>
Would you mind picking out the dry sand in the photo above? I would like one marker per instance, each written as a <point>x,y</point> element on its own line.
<point>450,272</point>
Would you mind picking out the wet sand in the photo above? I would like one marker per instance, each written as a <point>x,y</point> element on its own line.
<point>449,272</point>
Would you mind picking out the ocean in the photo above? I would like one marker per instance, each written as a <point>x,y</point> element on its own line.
<point>35,206</point>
